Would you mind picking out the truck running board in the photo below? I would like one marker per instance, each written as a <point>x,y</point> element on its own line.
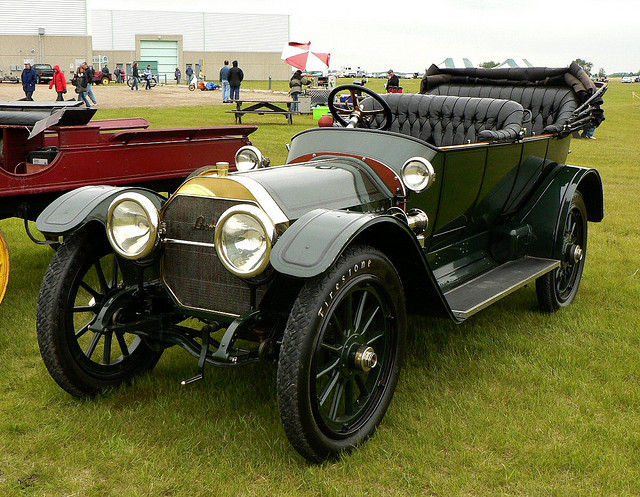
<point>480,292</point>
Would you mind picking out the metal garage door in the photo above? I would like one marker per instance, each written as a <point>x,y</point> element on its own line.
<point>165,52</point>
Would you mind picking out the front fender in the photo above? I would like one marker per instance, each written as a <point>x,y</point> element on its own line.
<point>83,205</point>
<point>315,241</point>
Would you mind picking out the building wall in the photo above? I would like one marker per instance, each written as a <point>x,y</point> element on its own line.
<point>201,31</point>
<point>57,18</point>
<point>62,50</point>
<point>255,40</point>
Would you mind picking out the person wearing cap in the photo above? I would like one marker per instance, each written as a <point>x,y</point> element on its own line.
<point>393,80</point>
<point>29,79</point>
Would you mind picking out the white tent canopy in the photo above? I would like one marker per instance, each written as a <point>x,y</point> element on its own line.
<point>451,62</point>
<point>514,63</point>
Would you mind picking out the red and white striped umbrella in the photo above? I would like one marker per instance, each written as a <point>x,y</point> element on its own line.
<point>300,55</point>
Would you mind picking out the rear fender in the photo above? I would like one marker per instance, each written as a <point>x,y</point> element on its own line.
<point>315,241</point>
<point>81,206</point>
<point>556,197</point>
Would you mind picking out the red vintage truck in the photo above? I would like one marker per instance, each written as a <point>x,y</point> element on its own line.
<point>49,148</point>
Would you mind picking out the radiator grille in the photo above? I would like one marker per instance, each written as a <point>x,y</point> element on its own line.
<point>194,273</point>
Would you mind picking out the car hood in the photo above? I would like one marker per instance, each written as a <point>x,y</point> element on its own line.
<point>341,183</point>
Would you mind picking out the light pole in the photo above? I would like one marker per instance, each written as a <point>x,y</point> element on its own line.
<point>40,35</point>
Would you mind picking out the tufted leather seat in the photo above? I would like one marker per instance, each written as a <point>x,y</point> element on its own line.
<point>452,120</point>
<point>551,107</point>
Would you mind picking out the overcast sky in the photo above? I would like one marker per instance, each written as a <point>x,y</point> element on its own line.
<point>410,35</point>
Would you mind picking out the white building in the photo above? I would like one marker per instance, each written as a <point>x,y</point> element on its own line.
<point>65,33</point>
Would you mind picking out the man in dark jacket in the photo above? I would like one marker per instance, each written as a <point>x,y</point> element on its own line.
<point>89,72</point>
<point>235,77</point>
<point>393,81</point>
<point>29,79</point>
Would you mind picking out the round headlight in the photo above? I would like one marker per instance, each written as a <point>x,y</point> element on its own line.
<point>418,174</point>
<point>244,236</point>
<point>132,225</point>
<point>248,158</point>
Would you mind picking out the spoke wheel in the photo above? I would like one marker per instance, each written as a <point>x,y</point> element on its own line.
<point>558,288</point>
<point>341,354</point>
<point>84,275</point>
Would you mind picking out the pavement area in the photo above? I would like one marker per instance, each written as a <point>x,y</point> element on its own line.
<point>114,96</point>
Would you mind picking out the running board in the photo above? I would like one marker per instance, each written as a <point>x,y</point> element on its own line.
<point>480,292</point>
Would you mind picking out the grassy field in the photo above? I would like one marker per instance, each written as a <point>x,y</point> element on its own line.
<point>512,402</point>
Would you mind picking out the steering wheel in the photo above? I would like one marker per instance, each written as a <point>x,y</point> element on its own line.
<point>353,109</point>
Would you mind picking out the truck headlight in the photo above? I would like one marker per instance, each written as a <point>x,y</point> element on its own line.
<point>418,174</point>
<point>249,157</point>
<point>244,237</point>
<point>132,225</point>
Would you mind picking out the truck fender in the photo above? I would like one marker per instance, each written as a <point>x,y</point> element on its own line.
<point>78,207</point>
<point>315,241</point>
<point>556,197</point>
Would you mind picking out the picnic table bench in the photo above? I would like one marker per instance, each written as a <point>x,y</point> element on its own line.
<point>262,107</point>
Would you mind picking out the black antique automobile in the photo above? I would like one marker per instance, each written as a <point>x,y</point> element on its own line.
<point>439,203</point>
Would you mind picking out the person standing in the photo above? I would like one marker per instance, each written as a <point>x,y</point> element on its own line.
<point>235,77</point>
<point>59,82</point>
<point>177,76</point>
<point>116,73</point>
<point>224,81</point>
<point>29,79</point>
<point>295,83</point>
<point>148,75</point>
<point>136,77</point>
<point>189,74</point>
<point>80,82</point>
<point>393,81</point>
<point>89,72</point>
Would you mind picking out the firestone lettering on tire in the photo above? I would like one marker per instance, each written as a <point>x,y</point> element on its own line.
<point>365,264</point>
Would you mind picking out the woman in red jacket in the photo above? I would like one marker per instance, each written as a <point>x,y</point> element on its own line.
<point>59,81</point>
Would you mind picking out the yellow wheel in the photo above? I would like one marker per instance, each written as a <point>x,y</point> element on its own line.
<point>5,266</point>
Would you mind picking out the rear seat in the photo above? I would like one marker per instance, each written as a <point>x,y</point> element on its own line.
<point>551,107</point>
<point>452,120</point>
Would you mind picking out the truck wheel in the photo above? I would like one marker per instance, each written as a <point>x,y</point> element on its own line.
<point>341,354</point>
<point>81,277</point>
<point>5,266</point>
<point>558,288</point>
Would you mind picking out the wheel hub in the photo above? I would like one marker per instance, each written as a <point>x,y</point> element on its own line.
<point>575,254</point>
<point>365,358</point>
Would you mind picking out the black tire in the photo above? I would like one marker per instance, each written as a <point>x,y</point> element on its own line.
<point>558,288</point>
<point>328,404</point>
<point>130,81</point>
<point>82,275</point>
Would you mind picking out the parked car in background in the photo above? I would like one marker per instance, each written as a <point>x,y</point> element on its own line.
<point>628,79</point>
<point>438,203</point>
<point>44,72</point>
<point>102,78</point>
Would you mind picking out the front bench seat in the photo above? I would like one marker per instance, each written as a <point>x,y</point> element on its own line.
<point>451,120</point>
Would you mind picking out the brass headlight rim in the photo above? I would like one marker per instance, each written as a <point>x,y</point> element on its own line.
<point>269,231</point>
<point>154,221</point>
<point>431,173</point>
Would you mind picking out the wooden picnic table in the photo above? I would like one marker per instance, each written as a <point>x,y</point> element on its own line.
<point>262,107</point>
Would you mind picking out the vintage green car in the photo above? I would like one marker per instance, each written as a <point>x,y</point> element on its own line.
<point>439,203</point>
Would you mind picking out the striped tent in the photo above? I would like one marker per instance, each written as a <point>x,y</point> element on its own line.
<point>451,63</point>
<point>514,63</point>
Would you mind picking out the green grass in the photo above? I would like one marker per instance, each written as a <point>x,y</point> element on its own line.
<point>512,402</point>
